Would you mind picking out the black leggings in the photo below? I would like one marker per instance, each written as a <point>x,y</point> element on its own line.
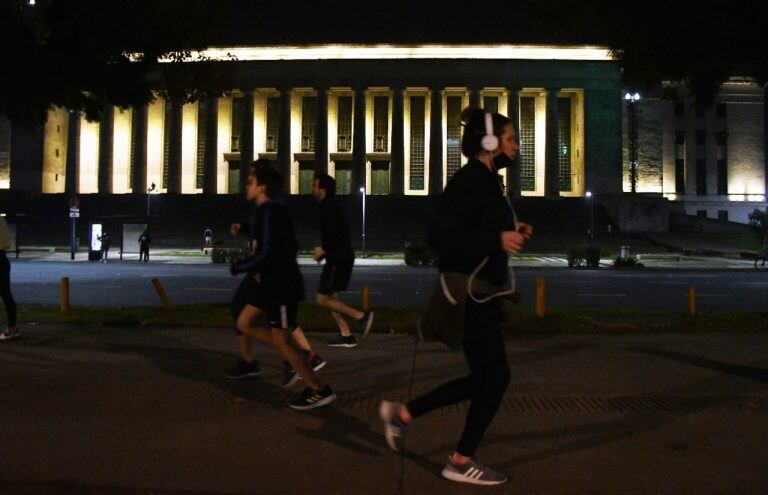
<point>5,289</point>
<point>488,379</point>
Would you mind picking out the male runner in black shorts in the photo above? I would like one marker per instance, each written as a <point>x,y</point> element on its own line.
<point>273,285</point>
<point>336,248</point>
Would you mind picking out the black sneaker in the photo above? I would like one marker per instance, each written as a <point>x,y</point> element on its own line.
<point>365,325</point>
<point>290,377</point>
<point>316,362</point>
<point>244,369</point>
<point>311,399</point>
<point>342,341</point>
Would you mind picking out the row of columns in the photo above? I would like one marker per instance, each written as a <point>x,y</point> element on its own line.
<point>284,151</point>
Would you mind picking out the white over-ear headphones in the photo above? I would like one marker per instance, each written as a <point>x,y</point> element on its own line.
<point>490,142</point>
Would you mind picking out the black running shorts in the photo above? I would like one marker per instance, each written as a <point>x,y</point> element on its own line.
<point>335,278</point>
<point>282,313</point>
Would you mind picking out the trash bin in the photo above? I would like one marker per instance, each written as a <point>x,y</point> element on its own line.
<point>624,253</point>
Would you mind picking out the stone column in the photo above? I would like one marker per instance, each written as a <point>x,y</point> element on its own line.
<point>397,175</point>
<point>73,155</point>
<point>174,146</point>
<point>284,157</point>
<point>436,141</point>
<point>210,160</point>
<point>514,183</point>
<point>552,165</point>
<point>475,98</point>
<point>246,138</point>
<point>139,140</point>
<point>321,132</point>
<point>106,131</point>
<point>359,141</point>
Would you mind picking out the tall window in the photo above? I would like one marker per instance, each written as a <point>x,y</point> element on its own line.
<point>273,123</point>
<point>237,122</point>
<point>381,124</point>
<point>701,177</point>
<point>722,163</point>
<point>491,104</point>
<point>564,142</point>
<point>343,176</point>
<point>680,162</point>
<point>202,123</point>
<point>416,179</point>
<point>379,177</point>
<point>528,143</point>
<point>453,142</point>
<point>306,177</point>
<point>344,124</point>
<point>308,122</point>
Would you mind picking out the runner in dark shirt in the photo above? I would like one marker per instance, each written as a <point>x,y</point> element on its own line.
<point>336,249</point>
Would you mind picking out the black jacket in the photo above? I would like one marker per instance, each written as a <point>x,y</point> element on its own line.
<point>473,212</point>
<point>334,233</point>
<point>271,226</point>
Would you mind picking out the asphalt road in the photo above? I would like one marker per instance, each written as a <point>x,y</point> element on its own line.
<point>126,284</point>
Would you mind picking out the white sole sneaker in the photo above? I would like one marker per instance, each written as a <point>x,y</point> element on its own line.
<point>368,326</point>
<point>392,433</point>
<point>460,478</point>
<point>320,403</point>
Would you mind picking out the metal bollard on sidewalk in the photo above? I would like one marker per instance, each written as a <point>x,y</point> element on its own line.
<point>64,295</point>
<point>541,297</point>
<point>366,295</point>
<point>162,293</point>
<point>692,301</point>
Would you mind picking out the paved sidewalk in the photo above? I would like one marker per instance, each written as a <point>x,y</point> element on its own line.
<point>137,410</point>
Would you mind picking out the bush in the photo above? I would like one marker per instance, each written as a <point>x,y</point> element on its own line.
<point>585,257</point>
<point>228,255</point>
<point>420,255</point>
<point>627,263</point>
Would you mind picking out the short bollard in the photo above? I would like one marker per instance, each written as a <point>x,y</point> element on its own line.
<point>541,297</point>
<point>64,295</point>
<point>366,294</point>
<point>161,292</point>
<point>692,301</point>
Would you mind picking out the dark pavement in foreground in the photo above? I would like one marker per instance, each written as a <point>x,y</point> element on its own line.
<point>128,284</point>
<point>124,411</point>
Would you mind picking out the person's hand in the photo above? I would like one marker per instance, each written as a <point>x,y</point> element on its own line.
<point>234,229</point>
<point>257,277</point>
<point>318,253</point>
<point>512,242</point>
<point>525,229</point>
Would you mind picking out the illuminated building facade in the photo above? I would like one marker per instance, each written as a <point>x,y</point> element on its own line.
<point>386,119</point>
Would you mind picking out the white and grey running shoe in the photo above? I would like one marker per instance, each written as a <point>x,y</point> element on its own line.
<point>472,472</point>
<point>365,325</point>
<point>394,429</point>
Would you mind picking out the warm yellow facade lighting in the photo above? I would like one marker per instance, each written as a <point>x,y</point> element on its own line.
<point>400,52</point>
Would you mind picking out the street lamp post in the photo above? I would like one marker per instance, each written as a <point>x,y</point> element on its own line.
<point>591,216</point>
<point>362,192</point>
<point>632,99</point>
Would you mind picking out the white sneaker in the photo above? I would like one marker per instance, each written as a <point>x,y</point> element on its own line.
<point>393,427</point>
<point>8,336</point>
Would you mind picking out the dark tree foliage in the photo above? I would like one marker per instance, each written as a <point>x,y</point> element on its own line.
<point>78,53</point>
<point>692,44</point>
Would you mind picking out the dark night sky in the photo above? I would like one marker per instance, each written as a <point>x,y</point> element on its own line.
<point>388,21</point>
